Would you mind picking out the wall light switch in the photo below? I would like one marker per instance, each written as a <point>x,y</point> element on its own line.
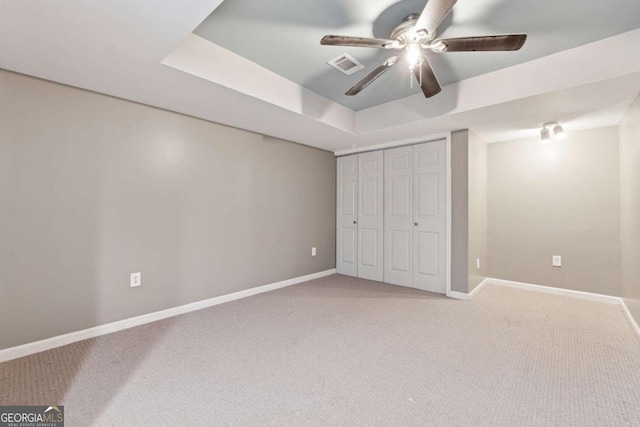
<point>136,279</point>
<point>313,251</point>
<point>477,263</point>
<point>556,261</point>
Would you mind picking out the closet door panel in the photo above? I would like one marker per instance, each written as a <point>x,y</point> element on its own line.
<point>398,214</point>
<point>429,216</point>
<point>347,216</point>
<point>370,215</point>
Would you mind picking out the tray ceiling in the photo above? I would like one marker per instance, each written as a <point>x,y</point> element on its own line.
<point>147,53</point>
<point>283,36</point>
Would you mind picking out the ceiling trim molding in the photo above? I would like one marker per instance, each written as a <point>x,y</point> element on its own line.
<point>202,58</point>
<point>571,68</point>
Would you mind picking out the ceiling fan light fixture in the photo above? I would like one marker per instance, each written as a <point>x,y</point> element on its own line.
<point>559,133</point>
<point>414,54</point>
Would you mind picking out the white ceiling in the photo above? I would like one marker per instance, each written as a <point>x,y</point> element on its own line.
<point>144,51</point>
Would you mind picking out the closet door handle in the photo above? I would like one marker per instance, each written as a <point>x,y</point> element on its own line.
<point>415,223</point>
<point>354,222</point>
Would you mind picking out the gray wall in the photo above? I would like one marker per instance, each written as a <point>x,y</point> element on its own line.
<point>630,208</point>
<point>477,209</point>
<point>460,211</point>
<point>469,210</point>
<point>93,188</point>
<point>556,199</point>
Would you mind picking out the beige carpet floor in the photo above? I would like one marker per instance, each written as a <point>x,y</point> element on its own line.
<point>347,352</point>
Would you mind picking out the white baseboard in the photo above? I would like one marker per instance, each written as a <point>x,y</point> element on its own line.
<point>577,294</point>
<point>60,340</point>
<point>557,291</point>
<point>537,288</point>
<point>458,295</point>
<point>478,288</point>
<point>467,296</point>
<point>632,321</point>
<point>551,290</point>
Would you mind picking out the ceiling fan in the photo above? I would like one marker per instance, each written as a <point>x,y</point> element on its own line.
<point>417,33</point>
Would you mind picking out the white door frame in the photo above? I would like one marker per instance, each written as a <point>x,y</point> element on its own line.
<point>430,138</point>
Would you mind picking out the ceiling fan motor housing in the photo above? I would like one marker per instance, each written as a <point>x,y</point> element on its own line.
<point>405,32</point>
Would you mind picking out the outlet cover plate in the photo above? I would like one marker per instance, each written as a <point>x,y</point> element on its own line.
<point>136,280</point>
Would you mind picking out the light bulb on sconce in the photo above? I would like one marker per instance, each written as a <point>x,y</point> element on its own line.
<point>559,133</point>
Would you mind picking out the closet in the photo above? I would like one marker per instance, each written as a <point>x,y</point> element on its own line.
<point>392,216</point>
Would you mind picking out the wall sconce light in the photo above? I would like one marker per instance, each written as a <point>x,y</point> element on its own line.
<point>552,128</point>
<point>545,135</point>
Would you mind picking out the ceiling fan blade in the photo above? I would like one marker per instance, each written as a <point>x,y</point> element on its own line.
<point>357,42</point>
<point>428,80</point>
<point>372,76</point>
<point>486,43</point>
<point>433,14</point>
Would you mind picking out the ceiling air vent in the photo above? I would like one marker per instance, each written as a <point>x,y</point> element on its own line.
<point>346,64</point>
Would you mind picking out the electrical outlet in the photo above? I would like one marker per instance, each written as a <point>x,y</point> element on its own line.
<point>556,261</point>
<point>136,279</point>
<point>477,263</point>
<point>313,251</point>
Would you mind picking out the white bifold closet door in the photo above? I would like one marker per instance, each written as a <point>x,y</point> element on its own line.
<point>347,218</point>
<point>360,225</point>
<point>415,216</point>
<point>398,216</point>
<point>370,215</point>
